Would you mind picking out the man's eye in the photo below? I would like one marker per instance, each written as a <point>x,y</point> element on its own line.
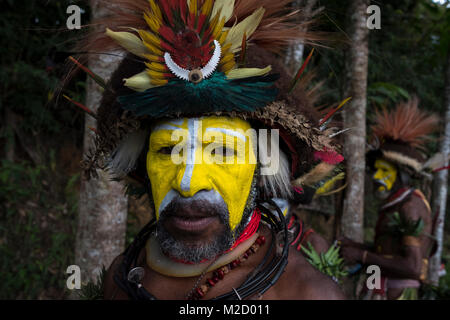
<point>165,150</point>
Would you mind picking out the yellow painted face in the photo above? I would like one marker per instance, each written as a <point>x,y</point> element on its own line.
<point>386,174</point>
<point>193,154</point>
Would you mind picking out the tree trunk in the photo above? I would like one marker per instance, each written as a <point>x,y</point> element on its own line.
<point>440,186</point>
<point>294,54</point>
<point>103,205</point>
<point>355,118</point>
<point>10,145</point>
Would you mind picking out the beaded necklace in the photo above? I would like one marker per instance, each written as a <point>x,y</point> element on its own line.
<point>261,279</point>
<point>199,292</point>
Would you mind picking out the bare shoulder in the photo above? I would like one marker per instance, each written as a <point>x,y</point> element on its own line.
<point>414,208</point>
<point>110,289</point>
<point>318,242</point>
<point>301,281</point>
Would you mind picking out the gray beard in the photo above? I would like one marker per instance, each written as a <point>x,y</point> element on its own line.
<point>207,250</point>
<point>195,254</point>
<point>382,195</point>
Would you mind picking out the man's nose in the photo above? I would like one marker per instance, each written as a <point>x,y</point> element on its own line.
<point>191,178</point>
<point>378,175</point>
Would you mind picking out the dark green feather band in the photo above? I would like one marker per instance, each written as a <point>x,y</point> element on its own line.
<point>215,94</point>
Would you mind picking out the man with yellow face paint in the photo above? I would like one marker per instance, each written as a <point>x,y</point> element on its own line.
<point>223,152</point>
<point>401,246</point>
<point>204,175</point>
<point>385,176</point>
<point>223,185</point>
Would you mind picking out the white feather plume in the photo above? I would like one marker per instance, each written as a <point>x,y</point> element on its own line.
<point>278,184</point>
<point>124,158</point>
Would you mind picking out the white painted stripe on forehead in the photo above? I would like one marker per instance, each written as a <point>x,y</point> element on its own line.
<point>166,127</point>
<point>228,132</point>
<point>169,125</point>
<point>191,146</point>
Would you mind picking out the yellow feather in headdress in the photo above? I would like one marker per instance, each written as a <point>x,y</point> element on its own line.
<point>207,7</point>
<point>152,22</point>
<point>148,37</point>
<point>156,66</point>
<point>193,8</point>
<point>247,72</point>
<point>156,10</point>
<point>224,8</point>
<point>247,26</point>
<point>329,184</point>
<point>139,82</point>
<point>129,42</point>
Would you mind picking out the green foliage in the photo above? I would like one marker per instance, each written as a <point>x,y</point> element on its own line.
<point>93,290</point>
<point>34,40</point>
<point>37,202</point>
<point>329,263</point>
<point>404,53</point>
<point>399,226</point>
<point>430,292</point>
<point>36,226</point>
<point>406,56</point>
<point>382,93</point>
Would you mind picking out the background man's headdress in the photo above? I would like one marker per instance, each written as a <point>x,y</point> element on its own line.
<point>401,136</point>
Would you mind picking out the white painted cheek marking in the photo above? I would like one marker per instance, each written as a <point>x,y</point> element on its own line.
<point>167,199</point>
<point>190,148</point>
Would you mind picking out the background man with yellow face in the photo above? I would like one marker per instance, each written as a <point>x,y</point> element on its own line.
<point>402,244</point>
<point>385,177</point>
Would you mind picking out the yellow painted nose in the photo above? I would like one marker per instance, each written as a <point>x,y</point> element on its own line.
<point>190,179</point>
<point>378,175</point>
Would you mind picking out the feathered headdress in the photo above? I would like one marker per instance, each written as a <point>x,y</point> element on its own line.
<point>208,57</point>
<point>401,134</point>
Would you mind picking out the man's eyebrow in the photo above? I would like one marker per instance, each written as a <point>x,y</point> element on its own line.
<point>228,132</point>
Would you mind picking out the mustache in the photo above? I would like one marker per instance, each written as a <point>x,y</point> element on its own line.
<point>203,204</point>
<point>381,182</point>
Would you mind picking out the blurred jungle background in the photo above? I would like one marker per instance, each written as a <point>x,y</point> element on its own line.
<point>42,141</point>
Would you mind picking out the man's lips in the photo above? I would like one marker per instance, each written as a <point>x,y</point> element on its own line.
<point>380,183</point>
<point>191,223</point>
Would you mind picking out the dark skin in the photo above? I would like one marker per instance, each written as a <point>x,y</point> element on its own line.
<point>395,258</point>
<point>318,242</point>
<point>299,281</point>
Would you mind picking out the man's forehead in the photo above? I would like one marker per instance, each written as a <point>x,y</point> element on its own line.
<point>384,163</point>
<point>204,122</point>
